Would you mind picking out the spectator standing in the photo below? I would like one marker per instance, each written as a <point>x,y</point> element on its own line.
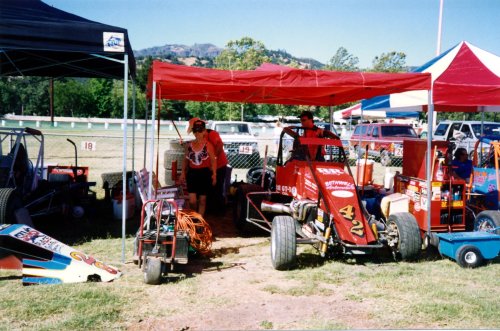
<point>199,168</point>
<point>214,138</point>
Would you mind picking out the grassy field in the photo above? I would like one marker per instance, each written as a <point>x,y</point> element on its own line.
<point>237,288</point>
<point>431,293</point>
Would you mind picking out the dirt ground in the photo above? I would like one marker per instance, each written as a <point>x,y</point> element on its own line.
<point>239,290</point>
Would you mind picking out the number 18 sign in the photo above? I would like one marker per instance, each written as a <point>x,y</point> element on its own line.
<point>89,146</point>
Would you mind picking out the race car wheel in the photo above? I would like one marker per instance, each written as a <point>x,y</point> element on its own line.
<point>404,236</point>
<point>10,201</point>
<point>469,256</point>
<point>283,243</point>
<point>488,220</point>
<point>152,270</point>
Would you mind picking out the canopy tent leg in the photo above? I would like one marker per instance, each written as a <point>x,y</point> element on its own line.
<point>124,175</point>
<point>430,113</point>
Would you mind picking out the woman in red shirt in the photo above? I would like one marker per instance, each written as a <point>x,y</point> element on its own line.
<point>199,168</point>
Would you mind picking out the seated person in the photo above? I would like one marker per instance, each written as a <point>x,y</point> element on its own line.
<point>461,165</point>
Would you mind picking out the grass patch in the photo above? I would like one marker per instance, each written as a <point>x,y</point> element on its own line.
<point>266,325</point>
<point>78,307</point>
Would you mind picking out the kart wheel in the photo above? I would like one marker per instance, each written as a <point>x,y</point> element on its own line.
<point>469,256</point>
<point>152,270</point>
<point>404,236</point>
<point>487,220</point>
<point>283,243</point>
<point>385,158</point>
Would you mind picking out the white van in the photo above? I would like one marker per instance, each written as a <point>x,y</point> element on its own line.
<point>464,133</point>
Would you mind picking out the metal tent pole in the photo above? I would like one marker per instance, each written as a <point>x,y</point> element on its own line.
<point>430,113</point>
<point>152,141</point>
<point>124,175</point>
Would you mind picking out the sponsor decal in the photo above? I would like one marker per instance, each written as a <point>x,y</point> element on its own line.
<point>330,171</point>
<point>412,188</point>
<point>320,215</point>
<point>37,238</point>
<point>311,184</point>
<point>342,194</point>
<point>113,42</point>
<point>339,185</point>
<point>417,206</point>
<point>79,256</point>
<point>423,203</point>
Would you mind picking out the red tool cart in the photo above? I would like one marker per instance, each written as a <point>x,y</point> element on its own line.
<point>448,195</point>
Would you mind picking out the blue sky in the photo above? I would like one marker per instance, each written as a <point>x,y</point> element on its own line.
<point>303,28</point>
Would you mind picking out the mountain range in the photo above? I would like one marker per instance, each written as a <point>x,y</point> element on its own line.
<point>188,54</point>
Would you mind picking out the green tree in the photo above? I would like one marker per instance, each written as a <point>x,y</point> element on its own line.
<point>242,54</point>
<point>101,93</point>
<point>143,67</point>
<point>343,61</point>
<point>390,62</point>
<point>9,98</point>
<point>73,98</point>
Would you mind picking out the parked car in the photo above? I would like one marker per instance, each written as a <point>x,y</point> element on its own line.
<point>384,140</point>
<point>240,144</point>
<point>465,133</point>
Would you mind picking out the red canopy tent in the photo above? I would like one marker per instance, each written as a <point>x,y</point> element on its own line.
<point>273,85</point>
<point>465,78</point>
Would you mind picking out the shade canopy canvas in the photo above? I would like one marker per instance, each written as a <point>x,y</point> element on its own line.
<point>465,78</point>
<point>39,40</point>
<point>273,85</point>
<point>355,111</point>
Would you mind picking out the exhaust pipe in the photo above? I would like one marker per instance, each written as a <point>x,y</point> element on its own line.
<point>275,207</point>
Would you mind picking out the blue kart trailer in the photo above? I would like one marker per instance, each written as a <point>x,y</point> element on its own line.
<point>469,249</point>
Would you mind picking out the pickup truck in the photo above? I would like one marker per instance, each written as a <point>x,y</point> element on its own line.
<point>384,140</point>
<point>240,144</point>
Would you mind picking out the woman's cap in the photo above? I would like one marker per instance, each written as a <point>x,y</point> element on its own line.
<point>198,126</point>
<point>191,123</point>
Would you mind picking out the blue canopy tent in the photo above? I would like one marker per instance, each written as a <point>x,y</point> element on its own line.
<point>465,78</point>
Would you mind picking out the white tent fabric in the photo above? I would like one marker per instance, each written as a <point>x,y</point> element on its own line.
<point>356,111</point>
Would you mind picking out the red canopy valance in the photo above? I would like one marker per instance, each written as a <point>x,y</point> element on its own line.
<point>274,86</point>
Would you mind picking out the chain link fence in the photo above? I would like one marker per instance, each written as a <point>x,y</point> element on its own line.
<point>102,152</point>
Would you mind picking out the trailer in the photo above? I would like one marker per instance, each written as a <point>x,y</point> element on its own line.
<point>469,249</point>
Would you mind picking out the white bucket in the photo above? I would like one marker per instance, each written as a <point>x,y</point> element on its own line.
<point>129,206</point>
<point>388,179</point>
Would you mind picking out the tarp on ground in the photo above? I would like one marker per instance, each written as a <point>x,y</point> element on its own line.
<point>39,40</point>
<point>276,86</point>
<point>465,78</point>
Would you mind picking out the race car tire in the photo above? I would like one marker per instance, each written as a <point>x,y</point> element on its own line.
<point>283,243</point>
